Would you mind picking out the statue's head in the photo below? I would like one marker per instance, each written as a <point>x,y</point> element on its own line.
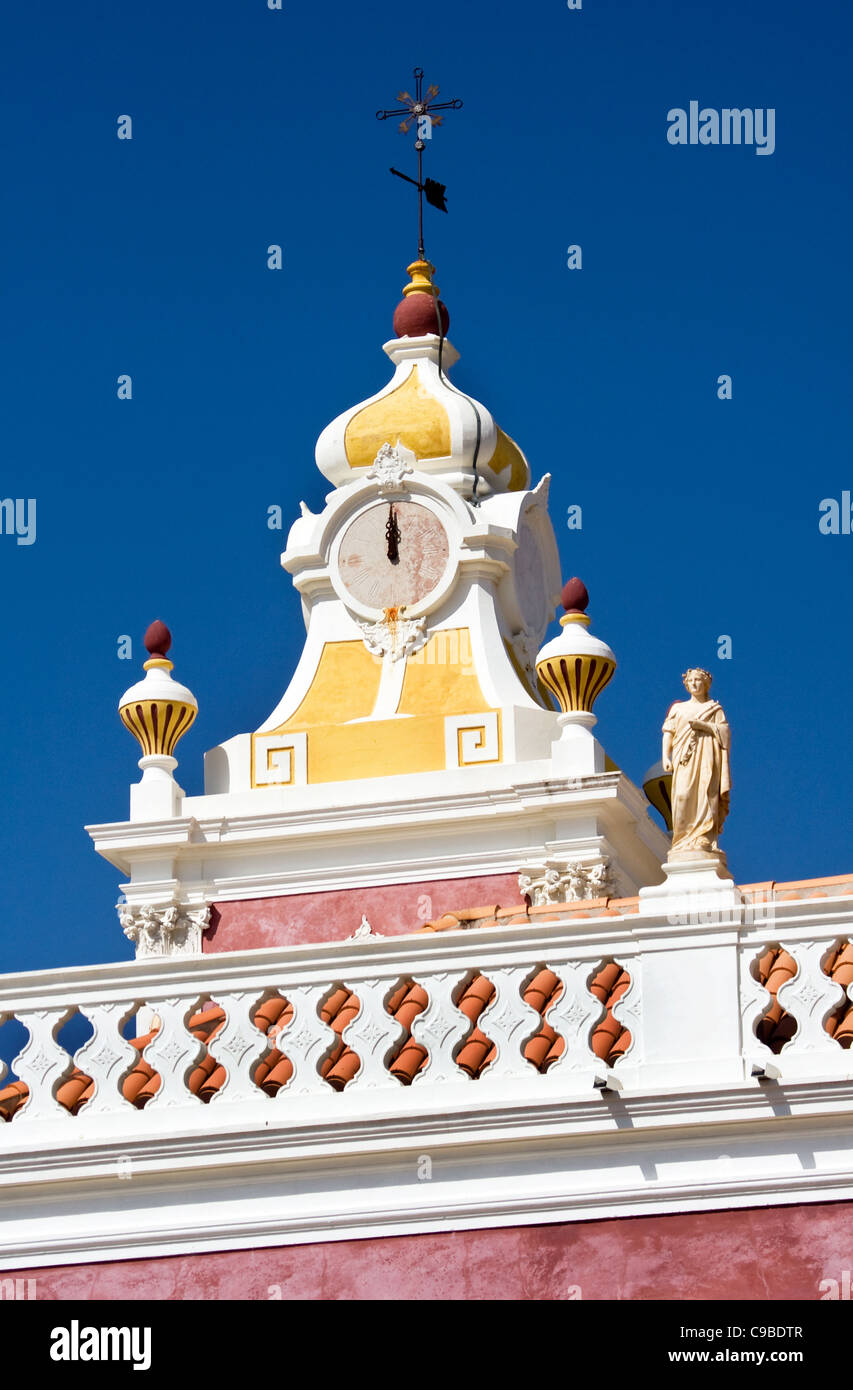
<point>697,681</point>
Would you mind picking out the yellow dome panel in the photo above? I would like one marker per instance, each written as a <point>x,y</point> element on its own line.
<point>409,414</point>
<point>508,455</point>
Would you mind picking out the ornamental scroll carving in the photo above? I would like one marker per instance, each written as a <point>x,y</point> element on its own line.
<point>394,636</point>
<point>559,882</point>
<point>169,930</point>
<point>390,467</point>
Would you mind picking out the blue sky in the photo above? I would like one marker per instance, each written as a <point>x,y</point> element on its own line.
<point>148,257</point>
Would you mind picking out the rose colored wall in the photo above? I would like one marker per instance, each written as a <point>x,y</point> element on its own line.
<point>757,1254</point>
<point>392,909</point>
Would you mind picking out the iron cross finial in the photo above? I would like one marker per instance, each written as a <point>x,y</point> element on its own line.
<point>420,109</point>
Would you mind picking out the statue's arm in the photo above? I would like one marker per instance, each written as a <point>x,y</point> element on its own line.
<point>666,756</point>
<point>720,729</point>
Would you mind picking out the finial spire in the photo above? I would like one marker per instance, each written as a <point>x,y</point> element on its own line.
<point>420,108</point>
<point>157,710</point>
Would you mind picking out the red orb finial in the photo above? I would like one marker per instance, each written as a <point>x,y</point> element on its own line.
<point>158,639</point>
<point>416,316</point>
<point>575,596</point>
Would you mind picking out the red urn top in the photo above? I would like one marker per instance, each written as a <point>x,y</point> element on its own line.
<point>415,316</point>
<point>575,597</point>
<point>420,310</point>
<point>158,639</point>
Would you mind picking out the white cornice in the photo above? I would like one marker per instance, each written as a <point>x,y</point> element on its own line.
<point>689,1128</point>
<point>497,811</point>
<point>278,1184</point>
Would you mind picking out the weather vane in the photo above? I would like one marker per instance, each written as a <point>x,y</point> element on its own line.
<point>419,108</point>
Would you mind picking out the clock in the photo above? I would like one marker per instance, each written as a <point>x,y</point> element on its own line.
<point>393,555</point>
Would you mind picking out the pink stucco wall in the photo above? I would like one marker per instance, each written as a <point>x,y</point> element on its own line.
<point>763,1253</point>
<point>392,909</point>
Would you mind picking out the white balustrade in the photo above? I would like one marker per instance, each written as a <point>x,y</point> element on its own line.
<point>372,1035</point>
<point>107,1057</point>
<point>305,1041</point>
<point>440,1028</point>
<point>237,1046</point>
<point>42,1062</point>
<point>809,997</point>
<point>441,964</point>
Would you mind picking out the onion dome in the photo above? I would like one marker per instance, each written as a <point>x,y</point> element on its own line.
<point>657,786</point>
<point>449,433</point>
<point>576,666</point>
<point>157,710</point>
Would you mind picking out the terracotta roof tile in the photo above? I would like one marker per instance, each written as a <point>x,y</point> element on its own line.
<point>839,967</point>
<point>841,885</point>
<point>12,1097</point>
<point>772,969</point>
<point>446,923</point>
<point>74,1092</point>
<point>521,915</point>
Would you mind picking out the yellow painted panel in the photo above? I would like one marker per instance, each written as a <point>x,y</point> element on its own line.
<point>345,686</point>
<point>379,748</point>
<point>441,678</point>
<point>409,414</point>
<point>508,455</point>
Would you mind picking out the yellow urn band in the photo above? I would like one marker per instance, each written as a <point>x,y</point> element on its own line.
<point>157,725</point>
<point>576,681</point>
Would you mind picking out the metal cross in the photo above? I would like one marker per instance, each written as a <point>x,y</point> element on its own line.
<point>419,108</point>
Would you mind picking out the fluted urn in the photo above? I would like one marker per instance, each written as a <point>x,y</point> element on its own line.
<point>576,666</point>
<point>158,710</point>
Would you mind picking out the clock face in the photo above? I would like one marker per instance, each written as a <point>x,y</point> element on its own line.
<point>393,555</point>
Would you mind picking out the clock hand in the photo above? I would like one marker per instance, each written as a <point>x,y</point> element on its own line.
<point>392,535</point>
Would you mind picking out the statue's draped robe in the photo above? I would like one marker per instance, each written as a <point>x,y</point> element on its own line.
<point>701,777</point>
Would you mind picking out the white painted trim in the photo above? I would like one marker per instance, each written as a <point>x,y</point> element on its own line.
<point>283,1185</point>
<point>432,825</point>
<point>690,1129</point>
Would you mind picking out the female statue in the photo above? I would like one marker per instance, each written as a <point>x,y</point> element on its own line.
<point>696,742</point>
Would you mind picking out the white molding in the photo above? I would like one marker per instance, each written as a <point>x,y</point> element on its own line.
<point>235,1188</point>
<point>690,1128</point>
<point>492,817</point>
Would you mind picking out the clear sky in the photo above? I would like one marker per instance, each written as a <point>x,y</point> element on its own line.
<point>148,257</point>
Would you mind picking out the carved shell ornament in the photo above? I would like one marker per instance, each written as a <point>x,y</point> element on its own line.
<point>391,465</point>
<point>394,636</point>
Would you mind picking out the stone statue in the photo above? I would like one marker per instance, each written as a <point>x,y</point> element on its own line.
<point>696,742</point>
